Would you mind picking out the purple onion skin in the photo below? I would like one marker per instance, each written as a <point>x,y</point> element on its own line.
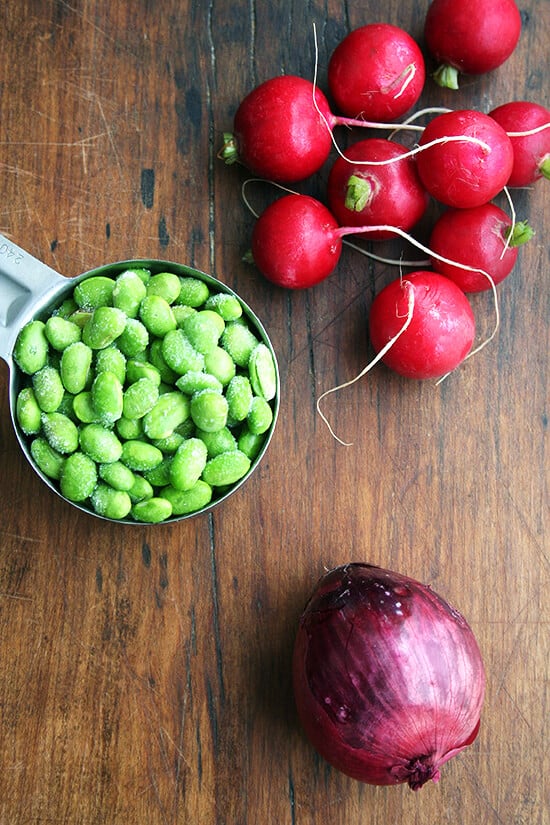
<point>388,677</point>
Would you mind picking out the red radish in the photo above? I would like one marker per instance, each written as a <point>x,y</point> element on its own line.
<point>359,194</point>
<point>280,133</point>
<point>295,242</point>
<point>531,151</point>
<point>377,72</point>
<point>479,238</point>
<point>429,321</point>
<point>470,36</point>
<point>469,172</point>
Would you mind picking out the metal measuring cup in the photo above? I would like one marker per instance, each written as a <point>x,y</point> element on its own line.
<point>29,289</point>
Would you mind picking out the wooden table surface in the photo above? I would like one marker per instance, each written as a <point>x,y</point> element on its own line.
<point>145,670</point>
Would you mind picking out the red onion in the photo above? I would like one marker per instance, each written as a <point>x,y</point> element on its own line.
<point>388,677</point>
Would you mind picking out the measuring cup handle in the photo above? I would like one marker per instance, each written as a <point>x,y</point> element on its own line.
<point>24,281</point>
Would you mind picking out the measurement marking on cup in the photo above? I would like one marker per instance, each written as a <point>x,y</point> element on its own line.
<point>10,253</point>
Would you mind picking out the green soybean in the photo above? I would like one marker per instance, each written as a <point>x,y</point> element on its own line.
<point>203,331</point>
<point>111,359</point>
<point>140,456</point>
<point>157,359</point>
<point>46,458</point>
<point>218,442</point>
<point>263,376</point>
<point>134,338</point>
<point>188,501</point>
<point>75,366</point>
<point>93,292</point>
<point>239,397</point>
<point>226,468</point>
<point>187,465</point>
<point>260,416</point>
<point>48,388</point>
<point>117,475</point>
<point>28,412</point>
<point>159,476</point>
<point>129,428</point>
<point>239,341</point>
<point>250,443</point>
<point>194,380</point>
<point>128,292</point>
<point>165,284</point>
<point>83,407</point>
<point>171,410</point>
<point>209,410</point>
<point>193,291</point>
<point>31,347</point>
<point>226,305</point>
<point>61,332</point>
<point>219,363</point>
<point>156,313</point>
<point>100,443</point>
<point>107,397</point>
<point>152,510</point>
<point>181,312</point>
<point>141,369</point>
<point>60,432</point>
<point>141,489</point>
<point>104,326</point>
<point>139,398</point>
<point>180,354</point>
<point>114,504</point>
<point>78,477</point>
<point>170,444</point>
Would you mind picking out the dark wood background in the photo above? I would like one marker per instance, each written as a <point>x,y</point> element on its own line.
<point>145,671</point>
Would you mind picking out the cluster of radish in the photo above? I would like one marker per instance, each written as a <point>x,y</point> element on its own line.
<point>421,325</point>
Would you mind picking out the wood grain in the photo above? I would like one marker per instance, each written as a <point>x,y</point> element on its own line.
<point>145,671</point>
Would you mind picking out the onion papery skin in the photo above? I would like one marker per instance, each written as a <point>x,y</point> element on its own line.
<point>388,677</point>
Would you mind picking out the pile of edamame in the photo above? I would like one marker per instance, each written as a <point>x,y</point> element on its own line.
<point>146,395</point>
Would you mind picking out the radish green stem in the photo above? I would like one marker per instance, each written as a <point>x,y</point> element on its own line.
<point>446,76</point>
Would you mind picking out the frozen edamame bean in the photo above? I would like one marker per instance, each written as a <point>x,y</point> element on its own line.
<point>188,501</point>
<point>226,468</point>
<point>75,367</point>
<point>165,284</point>
<point>170,444</point>
<point>48,388</point>
<point>193,291</point>
<point>239,397</point>
<point>239,341</point>
<point>180,354</point>
<point>202,331</point>
<point>46,458</point>
<point>141,369</point>
<point>187,464</point>
<point>139,398</point>
<point>140,456</point>
<point>140,489</point>
<point>261,369</point>
<point>134,338</point>
<point>152,510</point>
<point>99,443</point>
<point>220,364</point>
<point>250,443</point>
<point>128,292</point>
<point>226,305</point>
<point>83,407</point>
<point>60,432</point>
<point>104,326</point>
<point>66,309</point>
<point>157,315</point>
<point>80,317</point>
<point>159,476</point>
<point>157,359</point>
<point>107,397</point>
<point>129,428</point>
<point>218,442</point>
<point>193,381</point>
<point>181,312</point>
<point>78,477</point>
<point>61,332</point>
<point>209,410</point>
<point>117,475</point>
<point>171,410</point>
<point>111,503</point>
<point>28,412</point>
<point>93,292</point>
<point>31,347</point>
<point>111,359</point>
<point>260,416</point>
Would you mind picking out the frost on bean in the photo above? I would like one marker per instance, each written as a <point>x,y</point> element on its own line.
<point>144,396</point>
